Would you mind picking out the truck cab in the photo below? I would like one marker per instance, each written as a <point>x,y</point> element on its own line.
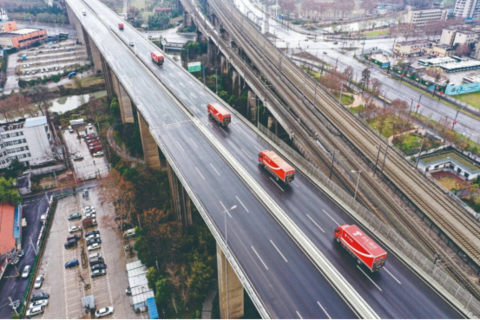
<point>157,57</point>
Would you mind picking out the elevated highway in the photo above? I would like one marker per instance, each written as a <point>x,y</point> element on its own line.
<point>397,293</point>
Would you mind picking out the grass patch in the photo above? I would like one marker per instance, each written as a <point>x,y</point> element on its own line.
<point>356,110</point>
<point>451,183</point>
<point>472,99</point>
<point>139,4</point>
<point>346,98</point>
<point>87,82</point>
<point>375,33</point>
<point>452,155</point>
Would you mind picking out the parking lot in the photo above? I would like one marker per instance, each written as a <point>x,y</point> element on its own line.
<point>89,165</point>
<point>67,287</point>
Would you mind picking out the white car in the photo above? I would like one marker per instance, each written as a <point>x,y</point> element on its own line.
<point>98,154</point>
<point>94,255</point>
<point>33,312</point>
<point>89,209</point>
<point>131,43</point>
<point>90,215</point>
<point>39,281</point>
<point>94,246</point>
<point>93,236</point>
<point>73,229</point>
<point>26,271</point>
<point>104,312</point>
<point>39,303</point>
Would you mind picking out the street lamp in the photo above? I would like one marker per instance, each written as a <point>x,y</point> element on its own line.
<point>226,266</point>
<point>358,180</point>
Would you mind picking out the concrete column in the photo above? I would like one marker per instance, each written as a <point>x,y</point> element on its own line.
<point>76,23</point>
<point>124,101</point>
<point>97,60</point>
<point>235,82</point>
<point>252,106</point>
<point>180,200</point>
<point>150,148</point>
<point>230,289</point>
<point>271,122</point>
<point>107,75</point>
<point>224,66</point>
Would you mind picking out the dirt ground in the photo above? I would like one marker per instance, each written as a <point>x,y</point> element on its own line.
<point>449,180</point>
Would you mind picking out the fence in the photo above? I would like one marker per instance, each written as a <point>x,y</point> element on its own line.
<point>377,227</point>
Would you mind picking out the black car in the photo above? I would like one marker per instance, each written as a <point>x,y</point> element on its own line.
<point>89,233</point>
<point>99,266</point>
<point>74,216</point>
<point>94,261</point>
<point>70,244</point>
<point>40,296</point>
<point>98,273</point>
<point>95,240</point>
<point>125,226</point>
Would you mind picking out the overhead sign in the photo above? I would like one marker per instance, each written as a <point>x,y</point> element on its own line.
<point>194,67</point>
<point>452,90</point>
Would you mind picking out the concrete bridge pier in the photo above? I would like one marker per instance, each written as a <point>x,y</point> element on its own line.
<point>74,21</point>
<point>252,107</point>
<point>187,19</point>
<point>180,200</point>
<point>224,66</point>
<point>96,56</point>
<point>150,148</point>
<point>124,101</point>
<point>230,289</point>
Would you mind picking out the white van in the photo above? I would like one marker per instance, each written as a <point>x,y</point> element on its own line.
<point>129,233</point>
<point>70,129</point>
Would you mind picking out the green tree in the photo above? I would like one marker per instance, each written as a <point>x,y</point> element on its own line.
<point>201,276</point>
<point>163,292</point>
<point>115,107</point>
<point>8,192</point>
<point>224,95</point>
<point>152,277</point>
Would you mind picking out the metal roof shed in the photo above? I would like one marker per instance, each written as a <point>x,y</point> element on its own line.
<point>152,308</point>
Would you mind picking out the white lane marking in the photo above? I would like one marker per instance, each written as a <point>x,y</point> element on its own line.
<point>194,143</point>
<point>225,209</point>
<point>200,173</point>
<point>180,145</point>
<point>296,184</point>
<point>299,315</point>
<point>276,184</point>
<point>391,275</point>
<point>181,84</point>
<point>279,251</point>
<point>315,223</point>
<point>259,258</point>
<point>369,278</point>
<point>242,204</point>
<point>214,169</point>
<point>247,155</point>
<point>324,310</point>
<point>331,217</point>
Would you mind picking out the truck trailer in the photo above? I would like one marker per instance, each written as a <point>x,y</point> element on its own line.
<point>89,223</point>
<point>157,57</point>
<point>361,247</point>
<point>219,114</point>
<point>278,167</point>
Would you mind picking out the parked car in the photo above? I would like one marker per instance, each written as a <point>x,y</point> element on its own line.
<point>90,215</point>
<point>92,236</point>
<point>89,233</point>
<point>39,303</point>
<point>20,253</point>
<point>94,255</point>
<point>88,209</point>
<point>95,261</point>
<point>73,237</point>
<point>74,216</point>
<point>14,261</point>
<point>104,312</point>
<point>125,226</point>
<point>77,157</point>
<point>71,264</point>
<point>98,273</point>
<point>98,154</point>
<point>70,244</point>
<point>40,296</point>
<point>131,43</point>
<point>92,241</point>
<point>94,246</point>
<point>33,312</point>
<point>73,229</point>
<point>39,281</point>
<point>99,266</point>
<point>26,271</point>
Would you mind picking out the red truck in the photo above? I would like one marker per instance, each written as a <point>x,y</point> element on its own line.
<point>95,148</point>
<point>93,142</point>
<point>89,223</point>
<point>361,247</point>
<point>157,57</point>
<point>219,114</point>
<point>276,166</point>
<point>120,26</point>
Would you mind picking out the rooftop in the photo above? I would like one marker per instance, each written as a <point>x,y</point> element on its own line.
<point>454,156</point>
<point>34,122</point>
<point>24,31</point>
<point>7,218</point>
<point>414,42</point>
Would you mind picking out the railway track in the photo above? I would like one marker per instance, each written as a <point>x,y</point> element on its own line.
<point>427,199</point>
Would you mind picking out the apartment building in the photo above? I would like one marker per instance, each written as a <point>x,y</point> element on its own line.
<point>28,140</point>
<point>412,47</point>
<point>467,9</point>
<point>421,17</point>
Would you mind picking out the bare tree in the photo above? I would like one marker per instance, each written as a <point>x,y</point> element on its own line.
<point>463,50</point>
<point>368,5</point>
<point>376,87</point>
<point>40,95</point>
<point>349,74</point>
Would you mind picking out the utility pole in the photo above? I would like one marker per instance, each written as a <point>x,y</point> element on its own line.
<point>376,161</point>
<point>14,307</point>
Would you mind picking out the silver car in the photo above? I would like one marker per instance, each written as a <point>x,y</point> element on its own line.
<point>26,271</point>
<point>39,281</point>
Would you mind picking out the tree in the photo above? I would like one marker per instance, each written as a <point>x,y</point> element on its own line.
<point>287,6</point>
<point>8,192</point>
<point>120,193</point>
<point>368,5</point>
<point>365,79</point>
<point>40,95</point>
<point>115,107</point>
<point>162,292</point>
<point>463,50</point>
<point>152,277</point>
<point>376,87</point>
<point>348,73</point>
<point>78,84</point>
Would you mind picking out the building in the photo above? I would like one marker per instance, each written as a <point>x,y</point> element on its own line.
<point>412,47</point>
<point>421,17</point>
<point>467,9</point>
<point>28,140</point>
<point>465,37</point>
<point>12,37</point>
<point>452,161</point>
<point>443,50</point>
